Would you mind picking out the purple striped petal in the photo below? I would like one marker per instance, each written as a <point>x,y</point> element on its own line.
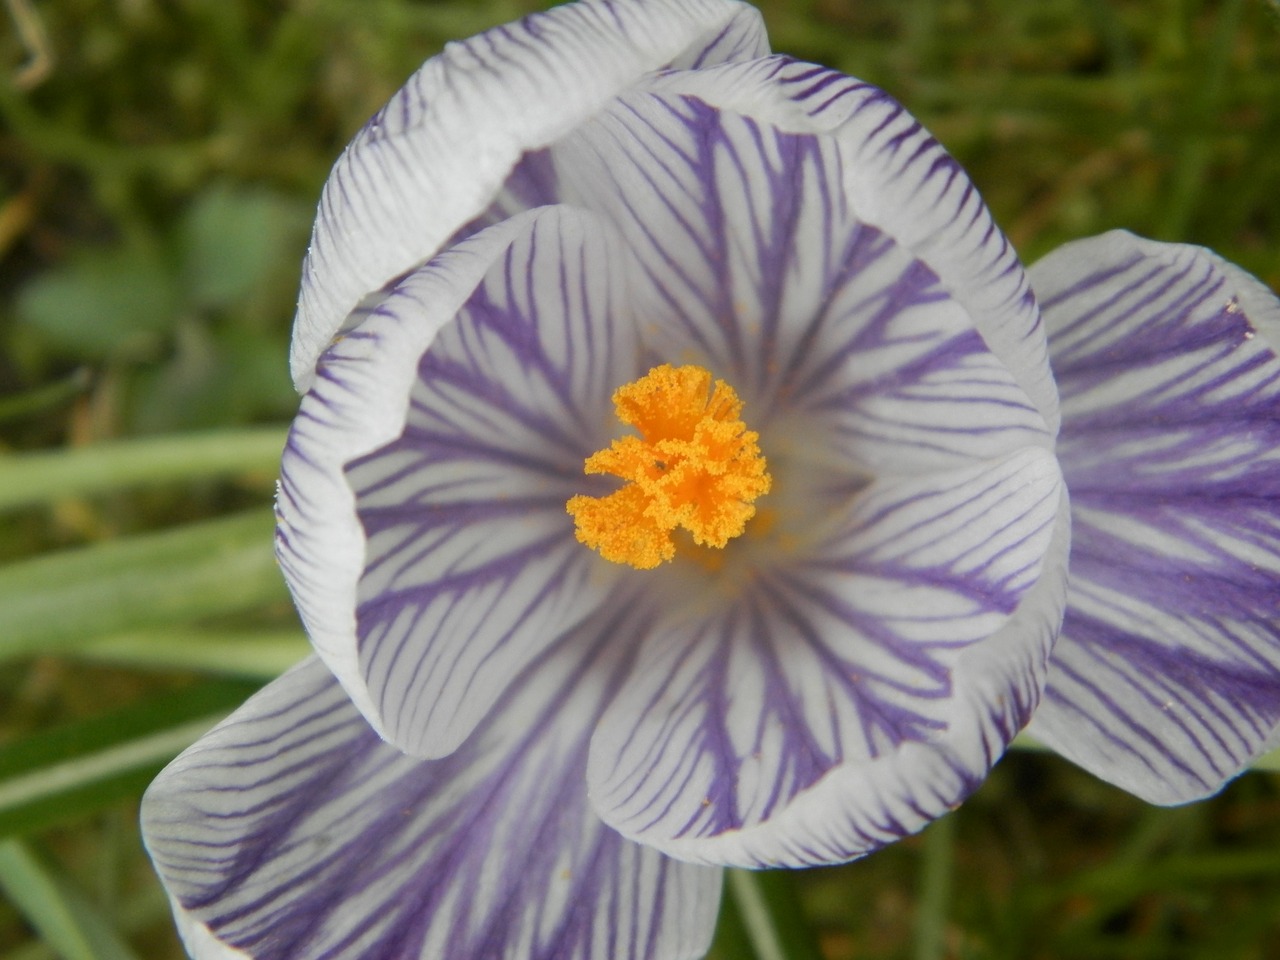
<point>292,831</point>
<point>421,487</point>
<point>1166,680</point>
<point>759,267</point>
<point>472,564</point>
<point>358,403</point>
<point>852,690</point>
<point>898,179</point>
<point>435,156</point>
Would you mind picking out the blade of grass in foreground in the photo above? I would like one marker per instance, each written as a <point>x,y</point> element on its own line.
<point>771,916</point>
<point>32,478</point>
<point>64,917</point>
<point>257,654</point>
<point>84,766</point>
<point>935,889</point>
<point>155,579</point>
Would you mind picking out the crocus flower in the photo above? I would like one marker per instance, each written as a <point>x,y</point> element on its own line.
<point>674,487</point>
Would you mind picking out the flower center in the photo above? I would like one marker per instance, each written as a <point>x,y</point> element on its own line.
<point>694,466</point>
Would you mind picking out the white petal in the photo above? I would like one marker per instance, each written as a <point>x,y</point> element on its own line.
<point>427,472</point>
<point>1166,679</point>
<point>471,564</point>
<point>900,180</point>
<point>292,831</point>
<point>854,692</point>
<point>435,156</point>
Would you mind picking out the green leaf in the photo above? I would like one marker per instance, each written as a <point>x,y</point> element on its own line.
<point>231,238</point>
<point>214,378</point>
<point>82,767</point>
<point>115,302</point>
<point>116,465</point>
<point>157,579</point>
<point>174,394</point>
<point>67,920</point>
<point>254,374</point>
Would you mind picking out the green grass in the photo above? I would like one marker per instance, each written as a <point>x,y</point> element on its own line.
<point>158,184</point>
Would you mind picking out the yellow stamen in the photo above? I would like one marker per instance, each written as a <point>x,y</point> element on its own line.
<point>695,465</point>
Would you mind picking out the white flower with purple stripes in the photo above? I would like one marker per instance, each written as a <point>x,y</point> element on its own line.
<point>674,488</point>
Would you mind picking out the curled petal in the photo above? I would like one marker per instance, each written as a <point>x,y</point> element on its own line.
<point>358,403</point>
<point>900,180</point>
<point>1166,679</point>
<point>437,154</point>
<point>846,697</point>
<point>420,485</point>
<point>292,831</point>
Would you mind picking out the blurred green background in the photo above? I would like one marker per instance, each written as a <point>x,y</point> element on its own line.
<point>159,164</point>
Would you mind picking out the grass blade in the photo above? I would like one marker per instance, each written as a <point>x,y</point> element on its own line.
<point>81,767</point>
<point>32,478</point>
<point>198,570</point>
<point>64,917</point>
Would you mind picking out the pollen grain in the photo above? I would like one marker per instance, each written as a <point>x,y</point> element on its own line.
<point>694,466</point>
